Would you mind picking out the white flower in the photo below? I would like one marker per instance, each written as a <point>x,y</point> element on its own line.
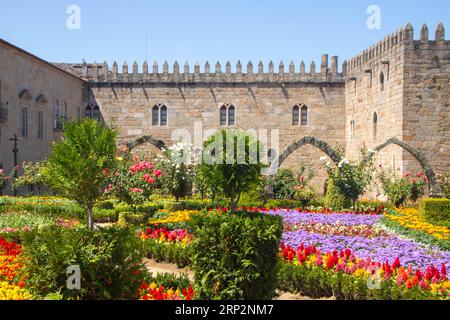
<point>323,158</point>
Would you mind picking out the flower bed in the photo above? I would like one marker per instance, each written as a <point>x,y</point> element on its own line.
<point>154,291</point>
<point>340,273</point>
<point>337,253</point>
<point>172,220</point>
<point>172,246</point>
<point>11,272</point>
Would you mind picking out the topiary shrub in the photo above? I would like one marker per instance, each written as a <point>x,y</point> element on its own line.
<point>235,256</point>
<point>436,211</point>
<point>335,199</point>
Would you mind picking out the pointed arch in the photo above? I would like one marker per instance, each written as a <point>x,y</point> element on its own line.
<point>145,139</point>
<point>296,116</point>
<point>322,145</point>
<point>435,190</point>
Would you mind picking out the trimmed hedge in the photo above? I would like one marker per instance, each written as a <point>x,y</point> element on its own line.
<point>436,211</point>
<point>236,256</point>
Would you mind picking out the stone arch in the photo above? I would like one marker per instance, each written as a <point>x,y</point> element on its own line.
<point>420,157</point>
<point>323,146</point>
<point>145,139</point>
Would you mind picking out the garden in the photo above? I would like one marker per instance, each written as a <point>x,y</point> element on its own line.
<point>100,213</point>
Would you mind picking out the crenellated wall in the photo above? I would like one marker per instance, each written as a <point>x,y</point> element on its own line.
<point>405,82</point>
<point>265,102</point>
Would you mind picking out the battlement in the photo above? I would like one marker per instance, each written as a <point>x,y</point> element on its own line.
<point>101,73</point>
<point>399,40</point>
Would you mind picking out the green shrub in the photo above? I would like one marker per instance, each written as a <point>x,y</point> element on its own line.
<point>179,254</point>
<point>436,211</point>
<point>335,199</point>
<point>105,215</point>
<point>110,261</point>
<point>235,256</point>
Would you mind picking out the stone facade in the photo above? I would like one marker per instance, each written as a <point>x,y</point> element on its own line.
<point>398,88</point>
<point>48,94</point>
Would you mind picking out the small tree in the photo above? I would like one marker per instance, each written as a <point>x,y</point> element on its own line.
<point>176,179</point>
<point>284,183</point>
<point>200,182</point>
<point>132,180</point>
<point>232,159</point>
<point>401,188</point>
<point>76,166</point>
<point>353,179</point>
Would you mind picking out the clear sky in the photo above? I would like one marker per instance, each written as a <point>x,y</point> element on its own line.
<point>208,30</point>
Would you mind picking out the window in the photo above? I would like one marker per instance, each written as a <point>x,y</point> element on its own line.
<point>295,116</point>
<point>24,122</point>
<point>227,115</point>
<point>382,81</point>
<point>88,112</point>
<point>155,116</point>
<point>96,113</point>
<point>55,114</point>
<point>352,130</point>
<point>223,116</point>
<point>164,116</point>
<point>159,115</point>
<point>304,116</point>
<point>375,126</point>
<point>40,125</point>
<point>231,114</point>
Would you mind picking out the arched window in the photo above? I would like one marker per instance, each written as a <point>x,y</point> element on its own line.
<point>24,122</point>
<point>88,112</point>
<point>223,116</point>
<point>295,116</point>
<point>159,115</point>
<point>96,113</point>
<point>382,81</point>
<point>231,115</point>
<point>375,126</point>
<point>352,130</point>
<point>304,118</point>
<point>155,116</point>
<point>163,115</point>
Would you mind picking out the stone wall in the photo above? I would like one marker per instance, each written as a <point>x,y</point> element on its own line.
<point>27,81</point>
<point>261,104</point>
<point>426,109</point>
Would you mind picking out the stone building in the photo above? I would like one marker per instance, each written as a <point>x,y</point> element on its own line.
<point>398,88</point>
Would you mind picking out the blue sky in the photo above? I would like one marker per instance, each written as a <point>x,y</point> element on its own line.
<point>201,30</point>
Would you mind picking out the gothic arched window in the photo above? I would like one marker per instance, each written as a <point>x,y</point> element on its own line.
<point>375,126</point>
<point>304,116</point>
<point>155,116</point>
<point>295,116</point>
<point>223,116</point>
<point>159,115</point>
<point>163,115</point>
<point>231,115</point>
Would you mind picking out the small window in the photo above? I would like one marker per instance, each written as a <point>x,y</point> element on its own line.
<point>96,113</point>
<point>223,116</point>
<point>164,116</point>
<point>295,116</point>
<point>304,116</point>
<point>88,112</point>
<point>382,81</point>
<point>375,126</point>
<point>231,115</point>
<point>155,116</point>
<point>24,122</point>
<point>352,130</point>
<point>40,125</point>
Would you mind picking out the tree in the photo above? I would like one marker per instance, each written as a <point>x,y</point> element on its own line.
<point>132,180</point>
<point>76,166</point>
<point>32,176</point>
<point>232,159</point>
<point>176,178</point>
